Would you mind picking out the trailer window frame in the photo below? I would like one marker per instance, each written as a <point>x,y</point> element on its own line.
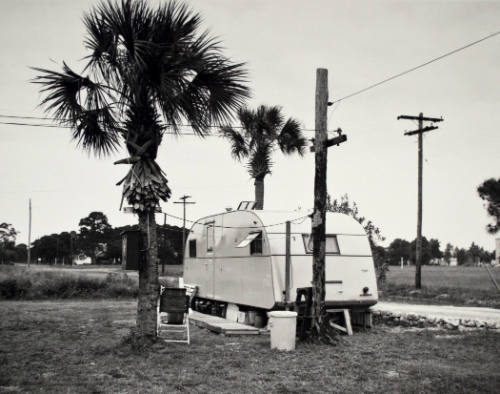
<point>192,247</point>
<point>308,247</point>
<point>254,239</point>
<point>248,239</point>
<point>256,245</point>
<point>210,236</point>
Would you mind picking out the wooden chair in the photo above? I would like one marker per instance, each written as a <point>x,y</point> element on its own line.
<point>173,315</point>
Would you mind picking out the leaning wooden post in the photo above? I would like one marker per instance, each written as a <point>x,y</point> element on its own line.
<point>29,237</point>
<point>319,214</point>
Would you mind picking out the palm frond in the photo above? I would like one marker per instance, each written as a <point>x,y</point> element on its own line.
<point>77,101</point>
<point>270,120</point>
<point>101,42</point>
<point>174,23</point>
<point>92,132</point>
<point>239,148</point>
<point>247,118</point>
<point>291,139</point>
<point>154,67</point>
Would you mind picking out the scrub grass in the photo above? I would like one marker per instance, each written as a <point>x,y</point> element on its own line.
<point>470,286</point>
<point>21,283</point>
<point>79,346</point>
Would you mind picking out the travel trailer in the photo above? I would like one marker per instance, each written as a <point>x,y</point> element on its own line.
<point>239,257</point>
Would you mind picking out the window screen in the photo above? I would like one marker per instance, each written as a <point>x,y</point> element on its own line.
<point>331,244</point>
<point>192,248</point>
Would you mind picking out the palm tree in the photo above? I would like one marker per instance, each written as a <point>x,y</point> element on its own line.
<point>148,71</point>
<point>261,132</point>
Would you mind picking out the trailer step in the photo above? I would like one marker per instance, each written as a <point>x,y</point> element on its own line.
<point>222,326</point>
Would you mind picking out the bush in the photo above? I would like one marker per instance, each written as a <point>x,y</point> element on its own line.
<point>45,285</point>
<point>14,288</point>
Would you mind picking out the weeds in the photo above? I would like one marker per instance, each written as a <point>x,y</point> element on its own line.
<point>39,285</point>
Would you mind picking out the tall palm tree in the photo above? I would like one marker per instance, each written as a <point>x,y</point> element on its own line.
<point>148,71</point>
<point>261,132</point>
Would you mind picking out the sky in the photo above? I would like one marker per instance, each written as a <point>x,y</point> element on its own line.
<point>282,42</point>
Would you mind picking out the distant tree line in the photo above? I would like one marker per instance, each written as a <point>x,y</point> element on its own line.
<point>102,242</point>
<point>431,252</point>
<point>96,239</point>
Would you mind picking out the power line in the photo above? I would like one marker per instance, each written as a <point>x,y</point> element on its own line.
<point>69,127</point>
<point>236,227</point>
<point>240,127</point>
<point>416,67</point>
<point>33,124</point>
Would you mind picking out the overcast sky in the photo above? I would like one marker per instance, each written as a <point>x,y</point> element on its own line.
<point>282,43</point>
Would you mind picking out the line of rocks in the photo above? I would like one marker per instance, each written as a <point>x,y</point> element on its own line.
<point>420,321</point>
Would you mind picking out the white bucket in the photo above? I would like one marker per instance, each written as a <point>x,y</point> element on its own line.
<point>283,329</point>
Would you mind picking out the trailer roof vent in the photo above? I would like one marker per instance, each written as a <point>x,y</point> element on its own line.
<point>246,205</point>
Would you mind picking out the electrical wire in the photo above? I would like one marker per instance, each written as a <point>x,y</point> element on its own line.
<point>33,124</point>
<point>372,86</point>
<point>236,227</point>
<point>69,127</point>
<point>416,67</point>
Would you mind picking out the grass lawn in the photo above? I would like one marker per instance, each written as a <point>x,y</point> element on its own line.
<point>75,346</point>
<point>441,277</point>
<point>463,285</point>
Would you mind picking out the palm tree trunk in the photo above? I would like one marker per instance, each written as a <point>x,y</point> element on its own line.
<point>259,193</point>
<point>148,277</point>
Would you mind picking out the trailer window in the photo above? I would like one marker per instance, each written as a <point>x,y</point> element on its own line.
<point>331,244</point>
<point>210,237</point>
<point>249,238</point>
<point>192,248</point>
<point>255,241</point>
<point>256,245</point>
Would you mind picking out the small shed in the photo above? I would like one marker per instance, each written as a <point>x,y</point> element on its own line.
<point>131,246</point>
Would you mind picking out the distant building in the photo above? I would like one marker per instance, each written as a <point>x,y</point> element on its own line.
<point>453,262</point>
<point>81,259</point>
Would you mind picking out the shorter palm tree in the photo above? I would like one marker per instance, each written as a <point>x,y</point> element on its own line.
<point>262,132</point>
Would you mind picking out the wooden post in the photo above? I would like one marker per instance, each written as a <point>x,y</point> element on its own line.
<point>287,264</point>
<point>319,214</point>
<point>29,235</point>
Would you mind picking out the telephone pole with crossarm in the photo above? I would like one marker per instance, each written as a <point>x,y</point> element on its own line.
<point>320,149</point>
<point>420,131</point>
<point>184,202</point>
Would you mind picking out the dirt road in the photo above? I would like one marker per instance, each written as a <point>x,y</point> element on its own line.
<point>447,312</point>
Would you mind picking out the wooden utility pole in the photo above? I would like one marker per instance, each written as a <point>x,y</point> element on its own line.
<point>184,202</point>
<point>29,235</point>
<point>321,144</point>
<point>421,130</point>
<point>288,260</point>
